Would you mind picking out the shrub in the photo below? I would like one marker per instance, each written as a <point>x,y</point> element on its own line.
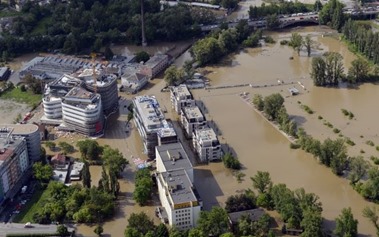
<point>320,117</point>
<point>345,112</point>
<point>231,162</point>
<point>350,142</point>
<point>336,130</point>
<point>269,40</point>
<point>284,42</point>
<point>294,145</point>
<point>362,151</point>
<point>370,143</point>
<point>307,109</point>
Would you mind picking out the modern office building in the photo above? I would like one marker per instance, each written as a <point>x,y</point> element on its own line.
<point>14,164</point>
<point>167,133</point>
<point>155,65</point>
<point>191,119</point>
<point>178,198</point>
<point>206,145</point>
<point>181,97</point>
<point>53,95</point>
<point>150,120</point>
<point>172,157</point>
<point>82,112</point>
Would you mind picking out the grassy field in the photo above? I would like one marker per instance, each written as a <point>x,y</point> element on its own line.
<point>41,27</point>
<point>26,215</point>
<point>26,97</point>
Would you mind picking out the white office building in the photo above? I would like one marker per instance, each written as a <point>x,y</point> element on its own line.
<point>191,119</point>
<point>181,97</point>
<point>177,196</point>
<point>206,145</point>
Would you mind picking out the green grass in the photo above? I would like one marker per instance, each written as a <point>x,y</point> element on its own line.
<point>41,27</point>
<point>26,97</point>
<point>26,215</point>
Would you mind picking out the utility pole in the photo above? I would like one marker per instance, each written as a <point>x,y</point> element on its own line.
<point>144,43</point>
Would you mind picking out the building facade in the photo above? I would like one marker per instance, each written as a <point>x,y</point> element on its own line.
<point>191,119</point>
<point>134,82</point>
<point>155,65</point>
<point>82,112</point>
<point>181,97</point>
<point>206,145</point>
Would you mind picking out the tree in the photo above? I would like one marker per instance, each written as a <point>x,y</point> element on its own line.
<point>195,232</point>
<point>262,181</point>
<point>272,105</point>
<point>98,230</point>
<point>240,202</point>
<point>258,101</point>
<point>371,214</point>
<point>312,224</point>
<point>89,149</point>
<point>333,68</point>
<point>140,222</point>
<point>62,230</point>
<point>67,148</point>
<point>296,42</point>
<point>50,145</point>
<point>114,161</point>
<point>173,75</point>
<point>358,169</point>
<point>206,50</point>
<point>42,173</point>
<point>359,71</point>
<point>308,43</point>
<point>346,225</point>
<point>142,56</point>
<point>214,222</point>
<point>318,74</point>
<point>188,69</point>
<point>34,84</point>
<point>86,176</point>
<point>231,162</point>
<point>161,231</point>
<point>108,54</point>
<point>143,186</point>
<point>272,21</point>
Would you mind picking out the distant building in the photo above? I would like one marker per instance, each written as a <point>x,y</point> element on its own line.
<point>177,195</point>
<point>181,97</point>
<point>82,112</point>
<point>192,119</point>
<point>5,73</point>
<point>171,157</point>
<point>150,121</point>
<point>134,82</point>
<point>14,165</point>
<point>206,145</point>
<point>155,65</point>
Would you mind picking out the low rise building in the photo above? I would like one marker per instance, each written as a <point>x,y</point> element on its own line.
<point>155,65</point>
<point>179,199</point>
<point>14,164</point>
<point>191,119</point>
<point>82,112</point>
<point>181,97</point>
<point>150,120</point>
<point>134,82</point>
<point>171,157</point>
<point>5,73</point>
<point>206,145</point>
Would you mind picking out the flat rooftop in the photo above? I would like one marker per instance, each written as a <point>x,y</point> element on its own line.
<point>174,156</point>
<point>179,186</point>
<point>7,148</point>
<point>181,91</point>
<point>18,129</point>
<point>167,130</point>
<point>193,112</point>
<point>80,93</point>
<point>149,111</point>
<point>206,134</point>
<point>155,60</point>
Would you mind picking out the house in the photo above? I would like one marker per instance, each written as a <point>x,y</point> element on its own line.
<point>155,65</point>
<point>59,160</point>
<point>252,214</point>
<point>134,82</point>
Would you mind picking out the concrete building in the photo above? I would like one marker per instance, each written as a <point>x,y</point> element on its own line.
<point>167,133</point>
<point>150,120</point>
<point>172,157</point>
<point>181,97</point>
<point>155,65</point>
<point>191,119</point>
<point>5,72</point>
<point>14,164</point>
<point>134,82</point>
<point>206,145</point>
<point>32,137</point>
<point>178,197</point>
<point>82,112</point>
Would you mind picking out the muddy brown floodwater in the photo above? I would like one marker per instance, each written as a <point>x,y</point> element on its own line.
<point>258,145</point>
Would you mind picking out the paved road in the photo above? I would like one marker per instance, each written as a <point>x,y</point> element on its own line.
<point>19,228</point>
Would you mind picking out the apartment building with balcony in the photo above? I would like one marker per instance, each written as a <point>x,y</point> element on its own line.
<point>181,97</point>
<point>206,145</point>
<point>192,119</point>
<point>82,112</point>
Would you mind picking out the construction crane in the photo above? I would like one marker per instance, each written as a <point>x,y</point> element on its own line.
<point>93,56</point>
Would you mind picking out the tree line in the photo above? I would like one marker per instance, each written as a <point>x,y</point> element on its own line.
<point>284,7</point>
<point>88,25</point>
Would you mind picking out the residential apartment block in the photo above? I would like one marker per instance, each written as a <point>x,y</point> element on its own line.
<point>181,97</point>
<point>206,145</point>
<point>192,119</point>
<point>14,164</point>
<point>150,121</point>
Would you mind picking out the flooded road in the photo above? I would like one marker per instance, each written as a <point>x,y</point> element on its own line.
<point>258,145</point>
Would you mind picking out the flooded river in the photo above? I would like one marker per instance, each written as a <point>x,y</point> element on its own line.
<point>257,144</point>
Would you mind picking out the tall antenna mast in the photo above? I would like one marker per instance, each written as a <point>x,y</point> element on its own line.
<point>144,43</point>
<point>93,55</point>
